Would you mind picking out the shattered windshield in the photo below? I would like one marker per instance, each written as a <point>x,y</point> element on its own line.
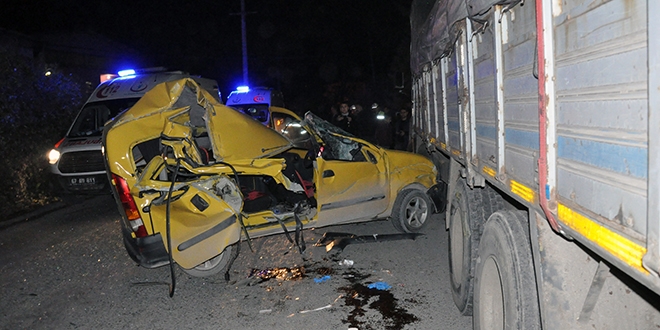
<point>338,144</point>
<point>94,115</point>
<point>320,126</point>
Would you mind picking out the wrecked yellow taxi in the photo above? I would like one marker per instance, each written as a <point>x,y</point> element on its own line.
<point>193,177</point>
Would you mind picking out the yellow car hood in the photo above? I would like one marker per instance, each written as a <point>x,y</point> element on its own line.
<point>233,135</point>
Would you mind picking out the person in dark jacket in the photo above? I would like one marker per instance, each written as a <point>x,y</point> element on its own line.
<point>402,130</point>
<point>344,119</point>
<point>383,130</point>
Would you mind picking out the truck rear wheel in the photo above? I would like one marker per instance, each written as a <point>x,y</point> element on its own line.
<point>505,293</point>
<point>466,215</point>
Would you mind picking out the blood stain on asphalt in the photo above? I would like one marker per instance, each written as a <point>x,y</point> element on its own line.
<point>361,297</point>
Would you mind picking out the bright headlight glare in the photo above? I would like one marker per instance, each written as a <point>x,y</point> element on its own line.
<point>53,156</point>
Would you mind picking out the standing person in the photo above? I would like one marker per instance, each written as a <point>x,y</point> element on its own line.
<point>344,119</point>
<point>402,130</point>
<point>366,121</point>
<point>330,113</point>
<point>359,121</point>
<point>373,121</point>
<point>383,131</point>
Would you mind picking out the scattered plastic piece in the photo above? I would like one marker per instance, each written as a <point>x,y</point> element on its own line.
<point>322,279</point>
<point>265,311</point>
<point>315,309</point>
<point>379,286</point>
<point>346,262</point>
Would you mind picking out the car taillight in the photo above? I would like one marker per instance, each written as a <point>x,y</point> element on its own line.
<point>129,205</point>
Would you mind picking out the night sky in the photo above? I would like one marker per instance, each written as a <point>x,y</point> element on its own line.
<point>314,51</point>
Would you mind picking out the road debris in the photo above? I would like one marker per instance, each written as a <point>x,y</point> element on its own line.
<point>336,242</point>
<point>315,309</point>
<point>379,286</point>
<point>322,279</point>
<point>320,308</point>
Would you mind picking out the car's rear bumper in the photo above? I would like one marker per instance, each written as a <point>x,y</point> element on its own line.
<point>148,252</point>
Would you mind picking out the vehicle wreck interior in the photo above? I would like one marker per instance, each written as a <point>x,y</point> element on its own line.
<point>284,194</point>
<point>260,192</point>
<point>188,140</point>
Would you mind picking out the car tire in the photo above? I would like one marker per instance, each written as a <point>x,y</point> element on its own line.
<point>218,264</point>
<point>411,211</point>
<point>505,292</point>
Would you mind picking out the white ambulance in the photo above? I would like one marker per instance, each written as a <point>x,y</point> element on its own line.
<point>266,106</point>
<point>256,102</point>
<point>76,162</point>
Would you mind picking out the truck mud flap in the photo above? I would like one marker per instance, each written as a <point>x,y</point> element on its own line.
<point>438,194</point>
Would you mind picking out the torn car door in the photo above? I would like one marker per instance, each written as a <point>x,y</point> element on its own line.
<point>206,212</point>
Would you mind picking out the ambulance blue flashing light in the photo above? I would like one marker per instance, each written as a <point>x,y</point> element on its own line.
<point>127,72</point>
<point>243,89</point>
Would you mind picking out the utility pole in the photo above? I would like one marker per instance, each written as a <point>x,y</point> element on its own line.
<point>244,39</point>
<point>243,13</point>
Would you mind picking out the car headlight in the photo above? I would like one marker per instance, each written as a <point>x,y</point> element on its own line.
<point>53,156</point>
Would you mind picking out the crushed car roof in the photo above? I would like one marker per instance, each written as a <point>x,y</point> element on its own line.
<point>181,102</point>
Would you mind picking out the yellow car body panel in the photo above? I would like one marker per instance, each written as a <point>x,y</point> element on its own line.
<point>248,179</point>
<point>201,234</point>
<point>350,191</point>
<point>408,168</point>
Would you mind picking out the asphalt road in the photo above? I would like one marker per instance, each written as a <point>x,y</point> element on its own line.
<point>68,269</point>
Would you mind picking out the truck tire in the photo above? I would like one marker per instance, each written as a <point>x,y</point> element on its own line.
<point>220,263</point>
<point>412,210</point>
<point>466,216</point>
<point>492,201</point>
<point>505,292</point>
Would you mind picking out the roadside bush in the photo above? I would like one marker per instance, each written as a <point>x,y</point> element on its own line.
<point>35,112</point>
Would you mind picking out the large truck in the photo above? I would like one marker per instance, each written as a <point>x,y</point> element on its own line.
<point>543,118</point>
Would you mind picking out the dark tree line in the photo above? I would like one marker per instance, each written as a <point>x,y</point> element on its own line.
<point>35,112</point>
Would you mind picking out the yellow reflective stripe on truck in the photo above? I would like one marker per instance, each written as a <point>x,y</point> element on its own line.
<point>522,191</point>
<point>488,171</point>
<point>628,251</point>
<point>619,246</point>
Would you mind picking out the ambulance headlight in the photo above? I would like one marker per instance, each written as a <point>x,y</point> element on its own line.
<point>53,156</point>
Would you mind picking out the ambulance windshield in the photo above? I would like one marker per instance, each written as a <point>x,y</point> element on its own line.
<point>94,115</point>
